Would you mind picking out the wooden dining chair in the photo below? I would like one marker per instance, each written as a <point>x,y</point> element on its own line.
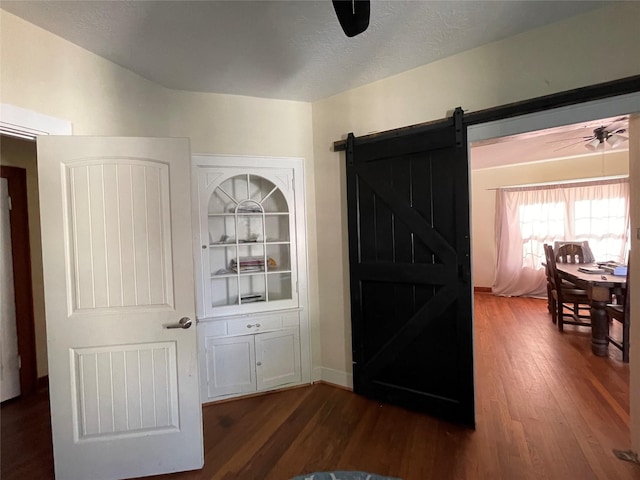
<point>571,303</point>
<point>570,253</point>
<point>620,313</point>
<point>551,302</point>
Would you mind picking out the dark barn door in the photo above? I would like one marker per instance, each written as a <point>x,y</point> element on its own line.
<point>408,208</point>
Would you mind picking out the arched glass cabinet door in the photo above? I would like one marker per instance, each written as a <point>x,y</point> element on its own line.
<point>250,227</point>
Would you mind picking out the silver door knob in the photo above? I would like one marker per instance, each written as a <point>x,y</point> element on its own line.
<point>185,322</point>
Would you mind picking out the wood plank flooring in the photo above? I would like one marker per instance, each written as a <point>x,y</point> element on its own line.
<point>546,408</point>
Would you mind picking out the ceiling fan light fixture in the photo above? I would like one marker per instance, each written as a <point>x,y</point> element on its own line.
<point>615,140</point>
<point>594,145</point>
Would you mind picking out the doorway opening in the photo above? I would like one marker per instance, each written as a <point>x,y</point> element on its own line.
<point>19,353</point>
<point>483,197</point>
<point>19,129</point>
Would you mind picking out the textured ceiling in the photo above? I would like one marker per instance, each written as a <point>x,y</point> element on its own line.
<point>282,49</point>
<point>296,50</point>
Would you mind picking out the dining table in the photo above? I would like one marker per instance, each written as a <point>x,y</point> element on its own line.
<point>599,287</point>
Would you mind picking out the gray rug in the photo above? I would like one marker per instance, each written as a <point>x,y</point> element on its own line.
<point>342,476</point>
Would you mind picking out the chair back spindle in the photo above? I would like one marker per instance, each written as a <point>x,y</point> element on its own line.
<point>570,253</point>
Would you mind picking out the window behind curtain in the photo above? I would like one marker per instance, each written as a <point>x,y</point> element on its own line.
<point>604,224</point>
<point>527,218</point>
<point>540,222</point>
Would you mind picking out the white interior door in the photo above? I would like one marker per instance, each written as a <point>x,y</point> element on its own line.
<point>118,269</point>
<point>9,362</point>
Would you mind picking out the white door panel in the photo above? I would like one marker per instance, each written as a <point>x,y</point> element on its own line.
<point>277,358</point>
<point>230,365</point>
<point>118,269</point>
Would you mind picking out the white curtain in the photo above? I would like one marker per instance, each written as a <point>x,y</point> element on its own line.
<point>529,217</point>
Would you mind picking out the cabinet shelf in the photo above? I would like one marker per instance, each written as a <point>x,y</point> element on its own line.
<point>271,271</point>
<point>248,219</point>
<point>249,214</point>
<point>233,244</point>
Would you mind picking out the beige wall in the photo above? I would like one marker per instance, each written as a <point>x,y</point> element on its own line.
<point>581,51</point>
<point>22,154</point>
<point>43,73</point>
<point>51,76</point>
<point>483,197</point>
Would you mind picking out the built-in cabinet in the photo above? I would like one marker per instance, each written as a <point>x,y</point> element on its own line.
<point>250,244</point>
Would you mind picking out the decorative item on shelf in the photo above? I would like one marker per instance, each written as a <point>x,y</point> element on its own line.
<point>251,298</point>
<point>246,209</point>
<point>251,264</point>
<point>224,240</point>
<point>252,238</point>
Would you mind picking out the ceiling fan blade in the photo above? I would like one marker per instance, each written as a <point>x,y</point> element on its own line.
<point>353,15</point>
<point>570,145</point>
<point>572,138</point>
<point>619,124</point>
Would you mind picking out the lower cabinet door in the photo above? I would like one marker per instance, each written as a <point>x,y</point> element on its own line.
<point>277,358</point>
<point>230,365</point>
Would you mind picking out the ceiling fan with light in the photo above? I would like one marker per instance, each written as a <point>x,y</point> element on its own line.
<point>612,134</point>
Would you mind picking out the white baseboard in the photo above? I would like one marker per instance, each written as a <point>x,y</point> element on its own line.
<point>335,377</point>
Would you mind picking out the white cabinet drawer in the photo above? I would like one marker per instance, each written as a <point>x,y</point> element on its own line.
<point>249,324</point>
<point>254,324</point>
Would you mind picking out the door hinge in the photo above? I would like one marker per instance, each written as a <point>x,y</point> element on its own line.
<point>9,204</point>
<point>19,362</point>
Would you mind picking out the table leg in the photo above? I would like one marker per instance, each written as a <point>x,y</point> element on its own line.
<point>600,296</point>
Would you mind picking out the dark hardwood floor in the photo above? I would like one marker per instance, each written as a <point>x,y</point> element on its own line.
<point>546,409</point>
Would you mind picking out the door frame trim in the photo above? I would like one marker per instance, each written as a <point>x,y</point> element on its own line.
<point>22,123</point>
<point>528,121</point>
<point>22,280</point>
<point>27,124</point>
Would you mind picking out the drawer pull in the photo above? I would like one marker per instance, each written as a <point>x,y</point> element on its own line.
<point>257,325</point>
